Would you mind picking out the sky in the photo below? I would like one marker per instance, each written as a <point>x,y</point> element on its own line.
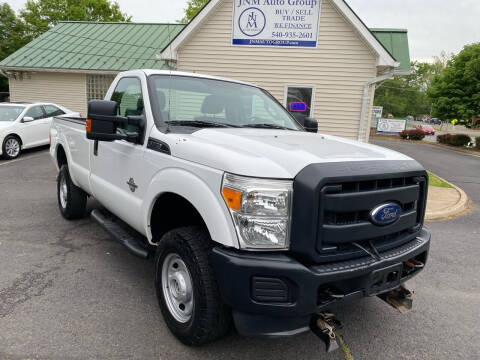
<point>433,25</point>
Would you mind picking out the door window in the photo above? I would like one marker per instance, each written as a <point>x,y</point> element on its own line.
<point>35,112</point>
<point>300,100</point>
<point>128,95</point>
<point>51,111</point>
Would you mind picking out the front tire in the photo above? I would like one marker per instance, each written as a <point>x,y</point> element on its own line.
<point>11,147</point>
<point>186,288</point>
<point>72,201</point>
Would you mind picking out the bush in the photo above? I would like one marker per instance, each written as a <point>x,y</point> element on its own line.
<point>477,143</point>
<point>412,134</point>
<point>454,139</point>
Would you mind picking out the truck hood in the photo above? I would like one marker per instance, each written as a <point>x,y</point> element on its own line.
<point>271,153</point>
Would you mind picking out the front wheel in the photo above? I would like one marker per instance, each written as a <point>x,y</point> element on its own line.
<point>72,201</point>
<point>186,288</point>
<point>11,147</point>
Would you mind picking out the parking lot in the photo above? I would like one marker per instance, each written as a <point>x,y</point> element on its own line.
<point>67,291</point>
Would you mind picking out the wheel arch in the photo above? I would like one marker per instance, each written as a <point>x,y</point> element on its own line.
<point>186,195</point>
<point>17,136</point>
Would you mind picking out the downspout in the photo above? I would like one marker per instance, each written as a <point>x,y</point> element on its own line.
<point>365,97</point>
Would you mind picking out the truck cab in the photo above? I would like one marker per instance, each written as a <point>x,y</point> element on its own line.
<point>251,218</point>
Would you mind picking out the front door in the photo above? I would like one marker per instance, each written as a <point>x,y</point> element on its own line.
<point>34,132</point>
<point>116,173</point>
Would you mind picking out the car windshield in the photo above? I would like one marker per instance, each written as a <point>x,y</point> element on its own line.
<point>198,102</point>
<point>428,127</point>
<point>10,113</point>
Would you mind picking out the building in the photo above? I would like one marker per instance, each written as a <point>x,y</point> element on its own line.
<point>327,70</point>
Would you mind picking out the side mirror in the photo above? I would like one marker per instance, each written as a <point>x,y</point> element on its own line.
<point>27,119</point>
<point>308,123</point>
<point>102,122</point>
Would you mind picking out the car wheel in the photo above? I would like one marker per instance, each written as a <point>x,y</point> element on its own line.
<point>11,147</point>
<point>72,201</point>
<point>186,288</point>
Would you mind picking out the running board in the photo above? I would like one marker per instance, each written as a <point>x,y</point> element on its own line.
<point>128,239</point>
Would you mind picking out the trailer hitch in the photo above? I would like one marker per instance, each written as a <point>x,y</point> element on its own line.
<point>399,298</point>
<point>324,325</point>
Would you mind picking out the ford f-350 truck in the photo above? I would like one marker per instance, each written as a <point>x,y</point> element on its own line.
<point>251,218</point>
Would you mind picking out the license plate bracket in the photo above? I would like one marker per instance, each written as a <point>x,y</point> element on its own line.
<point>385,279</point>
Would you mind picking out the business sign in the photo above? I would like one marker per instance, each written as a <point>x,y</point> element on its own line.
<point>377,111</point>
<point>292,23</point>
<point>390,126</point>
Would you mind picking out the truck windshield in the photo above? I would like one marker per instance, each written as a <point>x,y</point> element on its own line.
<point>10,113</point>
<point>199,102</point>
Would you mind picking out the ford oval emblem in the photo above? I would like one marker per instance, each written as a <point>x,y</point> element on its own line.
<point>386,214</point>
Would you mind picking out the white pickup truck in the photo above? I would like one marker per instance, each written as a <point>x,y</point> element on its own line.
<point>252,219</point>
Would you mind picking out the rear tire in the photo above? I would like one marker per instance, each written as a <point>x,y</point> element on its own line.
<point>72,201</point>
<point>11,147</point>
<point>186,288</point>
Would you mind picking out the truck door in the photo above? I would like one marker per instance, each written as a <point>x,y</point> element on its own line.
<point>116,176</point>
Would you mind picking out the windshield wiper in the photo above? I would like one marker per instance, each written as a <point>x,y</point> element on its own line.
<point>267,126</point>
<point>199,123</point>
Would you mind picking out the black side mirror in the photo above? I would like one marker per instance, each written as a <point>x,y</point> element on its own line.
<point>103,121</point>
<point>308,123</point>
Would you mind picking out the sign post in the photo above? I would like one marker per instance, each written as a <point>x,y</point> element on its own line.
<point>291,23</point>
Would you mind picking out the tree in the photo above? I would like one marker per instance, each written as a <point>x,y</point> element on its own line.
<point>406,95</point>
<point>455,92</point>
<point>193,7</point>
<point>40,15</point>
<point>12,36</point>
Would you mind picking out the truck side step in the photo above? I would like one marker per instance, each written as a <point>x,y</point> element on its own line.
<point>133,242</point>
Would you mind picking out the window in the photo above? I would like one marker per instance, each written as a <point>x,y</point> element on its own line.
<point>98,85</point>
<point>35,112</point>
<point>10,113</point>
<point>300,100</point>
<point>183,99</point>
<point>51,110</point>
<point>128,96</point>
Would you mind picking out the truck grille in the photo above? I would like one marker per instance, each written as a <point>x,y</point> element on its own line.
<point>344,216</point>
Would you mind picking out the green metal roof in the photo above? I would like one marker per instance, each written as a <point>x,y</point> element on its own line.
<point>124,46</point>
<point>396,42</point>
<point>96,46</point>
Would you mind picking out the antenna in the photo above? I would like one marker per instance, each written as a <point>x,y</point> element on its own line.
<point>169,64</point>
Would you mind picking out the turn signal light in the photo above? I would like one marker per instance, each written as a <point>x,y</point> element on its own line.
<point>88,125</point>
<point>233,198</point>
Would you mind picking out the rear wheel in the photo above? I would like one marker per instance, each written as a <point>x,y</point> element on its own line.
<point>72,201</point>
<point>186,288</point>
<point>11,147</point>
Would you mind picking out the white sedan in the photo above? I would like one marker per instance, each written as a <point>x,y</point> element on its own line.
<point>24,125</point>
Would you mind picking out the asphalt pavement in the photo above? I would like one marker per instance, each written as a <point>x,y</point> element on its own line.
<point>67,291</point>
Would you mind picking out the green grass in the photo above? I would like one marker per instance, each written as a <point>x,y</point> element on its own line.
<point>435,181</point>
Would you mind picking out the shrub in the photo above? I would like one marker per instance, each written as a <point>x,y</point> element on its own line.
<point>454,139</point>
<point>412,134</point>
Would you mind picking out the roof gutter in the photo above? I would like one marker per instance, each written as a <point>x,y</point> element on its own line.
<point>3,73</point>
<point>363,113</point>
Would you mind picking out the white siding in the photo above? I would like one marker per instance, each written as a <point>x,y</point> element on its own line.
<point>339,67</point>
<point>64,89</point>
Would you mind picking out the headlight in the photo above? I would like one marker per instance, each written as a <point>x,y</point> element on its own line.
<point>261,211</point>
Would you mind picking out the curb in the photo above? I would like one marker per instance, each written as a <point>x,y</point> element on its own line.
<point>456,210</point>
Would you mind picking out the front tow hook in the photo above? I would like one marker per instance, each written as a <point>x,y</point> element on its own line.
<point>324,325</point>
